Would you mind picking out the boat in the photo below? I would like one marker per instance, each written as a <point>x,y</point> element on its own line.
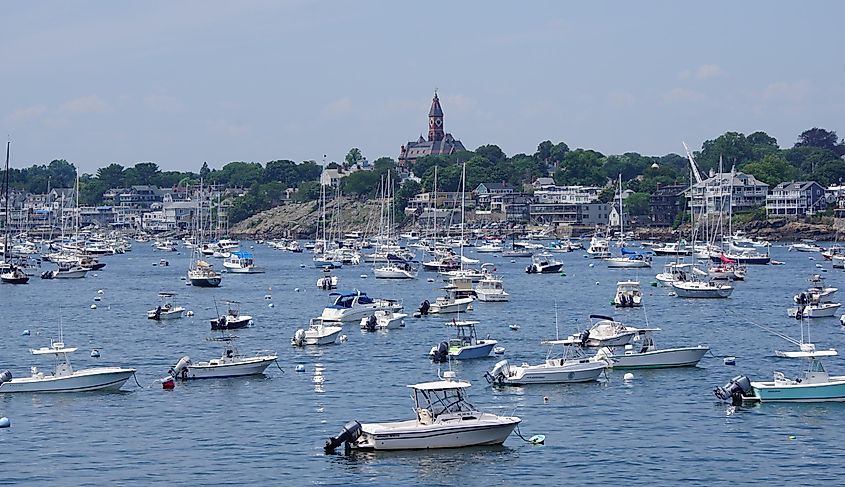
<point>672,249</point>
<point>559,247</point>
<point>489,248</point>
<point>64,378</point>
<point>571,367</point>
<point>14,275</point>
<point>9,273</point>
<point>351,306</point>
<point>230,364</point>
<point>456,299</point>
<point>604,331</point>
<point>491,289</point>
<point>702,289</point>
<point>673,271</point>
<point>629,260</point>
<point>464,346</point>
<point>598,248</point>
<point>66,271</point>
<point>393,270</point>
<point>806,247</point>
<point>383,320</point>
<point>233,318</point>
<point>167,310</point>
<point>544,263</point>
<point>642,353</point>
<point>444,419</point>
<point>241,262</point>
<point>327,282</point>
<point>814,303</point>
<point>319,332</point>
<point>628,294</point>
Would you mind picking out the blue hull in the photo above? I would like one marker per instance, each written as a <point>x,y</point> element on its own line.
<point>475,351</point>
<point>801,393</point>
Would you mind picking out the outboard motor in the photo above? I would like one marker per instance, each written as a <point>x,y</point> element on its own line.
<point>498,373</point>
<point>584,337</point>
<point>5,376</point>
<point>298,338</point>
<point>440,353</point>
<point>47,275</point>
<point>181,368</point>
<point>351,431</point>
<point>371,323</point>
<point>424,307</point>
<point>734,390</point>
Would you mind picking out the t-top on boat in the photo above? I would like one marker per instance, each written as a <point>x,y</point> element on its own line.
<point>464,346</point>
<point>351,306</point>
<point>444,419</point>
<point>230,364</point>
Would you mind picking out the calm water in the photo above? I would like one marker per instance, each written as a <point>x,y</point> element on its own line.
<point>664,427</point>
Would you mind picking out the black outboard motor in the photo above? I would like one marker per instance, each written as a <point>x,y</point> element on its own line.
<point>47,275</point>
<point>351,431</point>
<point>5,376</point>
<point>734,390</point>
<point>424,307</point>
<point>441,353</point>
<point>371,323</point>
<point>584,336</point>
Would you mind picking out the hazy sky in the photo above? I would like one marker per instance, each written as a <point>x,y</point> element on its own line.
<point>179,83</point>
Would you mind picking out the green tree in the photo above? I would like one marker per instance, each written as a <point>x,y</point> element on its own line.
<point>637,204</point>
<point>353,158</point>
<point>204,170</point>
<point>772,169</point>
<point>732,147</point>
<point>307,191</point>
<point>111,176</point>
<point>408,190</point>
<point>582,167</point>
<point>142,173</point>
<point>817,137</point>
<point>544,151</point>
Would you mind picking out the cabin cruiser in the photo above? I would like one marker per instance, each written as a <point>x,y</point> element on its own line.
<point>395,270</point>
<point>327,282</point>
<point>571,367</point>
<point>642,353</point>
<point>629,260</point>
<point>491,289</point>
<point>319,332</point>
<point>230,364</point>
<point>351,306</point>
<point>673,271</point>
<point>544,263</point>
<point>628,294</point>
<point>166,310</point>
<point>444,419</point>
<point>491,247</point>
<point>598,248</point>
<point>64,378</point>
<point>233,318</point>
<point>383,320</point>
<point>806,247</point>
<point>202,275</point>
<point>241,262</point>
<point>672,249</point>
<point>464,346</point>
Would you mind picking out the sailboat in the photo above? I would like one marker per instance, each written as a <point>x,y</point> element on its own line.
<point>10,274</point>
<point>200,272</point>
<point>390,269</point>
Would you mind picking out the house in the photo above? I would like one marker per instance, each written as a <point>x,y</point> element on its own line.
<point>573,195</point>
<point>665,204</point>
<point>483,192</point>
<point>739,191</point>
<point>331,177</point>
<point>514,207</point>
<point>179,214</point>
<point>542,183</point>
<point>439,142</point>
<point>796,199</point>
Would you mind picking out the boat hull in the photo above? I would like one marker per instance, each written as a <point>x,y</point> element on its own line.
<point>492,297</point>
<point>834,390</point>
<point>459,306</point>
<point>102,378</point>
<point>481,350</point>
<point>555,374</point>
<point>254,366</point>
<point>205,281</point>
<point>658,359</point>
<point>826,310</point>
<point>703,293</point>
<point>411,435</point>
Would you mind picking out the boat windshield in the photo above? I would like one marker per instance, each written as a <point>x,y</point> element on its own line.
<point>440,401</point>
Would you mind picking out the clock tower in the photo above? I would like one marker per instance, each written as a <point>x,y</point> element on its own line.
<point>435,120</point>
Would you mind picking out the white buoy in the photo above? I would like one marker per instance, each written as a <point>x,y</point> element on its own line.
<point>100,291</point>
<point>93,306</point>
<point>189,313</point>
<point>597,283</point>
<point>25,333</point>
<point>628,376</point>
<point>513,261</point>
<point>268,296</point>
<point>591,265</point>
<point>95,353</point>
<point>296,289</point>
<point>5,422</point>
<point>271,305</point>
<point>97,298</point>
<point>545,399</point>
<point>300,368</point>
<point>302,266</point>
<point>363,276</point>
<point>343,338</point>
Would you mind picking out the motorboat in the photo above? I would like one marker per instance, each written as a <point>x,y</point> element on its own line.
<point>814,304</point>
<point>230,364</point>
<point>628,294</point>
<point>806,247</point>
<point>66,272</point>
<point>458,298</point>
<point>464,346</point>
<point>241,262</point>
<point>383,320</point>
<point>64,378</point>
<point>233,318</point>
<point>604,331</point>
<point>327,282</point>
<point>598,248</point>
<point>14,275</point>
<point>673,271</point>
<point>201,274</point>
<point>319,332</point>
<point>629,260</point>
<point>702,289</point>
<point>471,273</point>
<point>444,419</point>
<point>544,263</point>
<point>559,247</point>
<point>166,310</point>
<point>323,261</point>
<point>394,270</point>
<point>489,248</point>
<point>642,353</point>
<point>571,367</point>
<point>491,289</point>
<point>351,306</point>
<point>749,256</point>
<point>672,249</point>
<point>832,251</point>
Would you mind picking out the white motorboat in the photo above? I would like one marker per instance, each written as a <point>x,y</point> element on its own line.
<point>351,306</point>
<point>814,310</point>
<point>444,419</point>
<point>673,271</point>
<point>383,320</point>
<point>806,247</point>
<point>604,331</point>
<point>489,248</point>
<point>395,270</point>
<point>233,319</point>
<point>544,263</point>
<point>672,249</point>
<point>642,353</point>
<point>201,274</point>
<point>628,294</point>
<point>66,272</point>
<point>319,332</point>
<point>815,302</point>
<point>491,289</point>
<point>327,282</point>
<point>64,378</point>
<point>571,367</point>
<point>598,248</point>
<point>241,262</point>
<point>473,274</point>
<point>464,346</point>
<point>701,289</point>
<point>230,364</point>
<point>166,310</point>
<point>13,274</point>
<point>629,260</point>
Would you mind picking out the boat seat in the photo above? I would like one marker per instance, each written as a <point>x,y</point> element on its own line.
<point>425,416</point>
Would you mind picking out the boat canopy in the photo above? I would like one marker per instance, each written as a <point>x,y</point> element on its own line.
<point>346,294</point>
<point>243,254</point>
<point>60,348</point>
<point>807,354</point>
<point>440,385</point>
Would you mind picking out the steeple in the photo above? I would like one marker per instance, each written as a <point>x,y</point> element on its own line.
<point>435,120</point>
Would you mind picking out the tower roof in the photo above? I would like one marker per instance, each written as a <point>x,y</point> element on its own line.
<point>435,111</point>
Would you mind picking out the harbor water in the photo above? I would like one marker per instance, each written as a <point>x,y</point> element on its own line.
<point>664,427</point>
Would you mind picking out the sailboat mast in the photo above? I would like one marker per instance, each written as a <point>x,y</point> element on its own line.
<point>6,194</point>
<point>463,197</point>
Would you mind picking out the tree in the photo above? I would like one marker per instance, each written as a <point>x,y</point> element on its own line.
<point>408,190</point>
<point>816,137</point>
<point>353,158</point>
<point>204,170</point>
<point>582,167</point>
<point>544,150</point>
<point>732,147</point>
<point>111,176</point>
<point>307,191</point>
<point>492,153</point>
<point>142,173</point>
<point>62,174</point>
<point>637,204</point>
<point>772,169</point>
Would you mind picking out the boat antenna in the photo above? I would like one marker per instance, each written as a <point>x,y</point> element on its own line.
<point>215,308</point>
<point>557,333</point>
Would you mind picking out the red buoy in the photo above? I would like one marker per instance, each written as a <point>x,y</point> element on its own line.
<point>168,384</point>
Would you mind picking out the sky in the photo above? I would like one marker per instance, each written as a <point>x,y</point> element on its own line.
<point>180,83</point>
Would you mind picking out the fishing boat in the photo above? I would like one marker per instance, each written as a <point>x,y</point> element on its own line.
<point>628,294</point>
<point>672,249</point>
<point>490,247</point>
<point>327,282</point>
<point>65,271</point>
<point>604,331</point>
<point>383,320</point>
<point>806,247</point>
<point>598,248</point>
<point>813,305</point>
<point>544,263</point>
<point>351,306</point>
<point>230,364</point>
<point>201,274</point>
<point>455,301</point>
<point>702,289</point>
<point>464,346</point>
<point>319,332</point>
<point>673,271</point>
<point>444,419</point>
<point>629,260</point>
<point>570,367</point>
<point>642,353</point>
<point>64,378</point>
<point>166,310</point>
<point>241,262</point>
<point>491,289</point>
<point>233,318</point>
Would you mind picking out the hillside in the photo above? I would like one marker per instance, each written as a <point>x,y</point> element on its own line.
<point>299,220</point>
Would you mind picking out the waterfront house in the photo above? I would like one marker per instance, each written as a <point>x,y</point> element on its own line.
<point>796,199</point>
